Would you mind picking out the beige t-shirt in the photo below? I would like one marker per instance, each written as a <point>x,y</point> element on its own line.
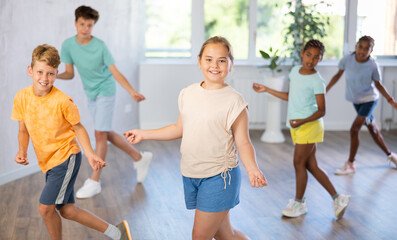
<point>207,146</point>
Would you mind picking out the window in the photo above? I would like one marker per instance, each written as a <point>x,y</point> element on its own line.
<point>380,23</point>
<point>168,28</point>
<point>333,42</point>
<point>176,29</point>
<point>230,20</point>
<point>269,25</point>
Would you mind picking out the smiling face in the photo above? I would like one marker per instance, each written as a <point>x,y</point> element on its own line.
<point>363,50</point>
<point>310,58</point>
<point>43,77</point>
<point>84,28</point>
<point>215,64</point>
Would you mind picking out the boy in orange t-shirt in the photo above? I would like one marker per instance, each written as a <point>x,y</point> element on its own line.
<point>52,121</point>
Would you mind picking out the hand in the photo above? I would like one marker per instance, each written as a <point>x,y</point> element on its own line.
<point>137,96</point>
<point>295,122</point>
<point>394,105</point>
<point>259,87</point>
<point>257,179</point>
<point>95,161</point>
<point>21,158</point>
<point>133,136</point>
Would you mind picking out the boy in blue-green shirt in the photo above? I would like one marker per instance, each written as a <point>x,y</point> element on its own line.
<point>98,73</point>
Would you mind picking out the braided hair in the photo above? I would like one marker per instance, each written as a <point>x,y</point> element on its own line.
<point>313,43</point>
<point>367,38</point>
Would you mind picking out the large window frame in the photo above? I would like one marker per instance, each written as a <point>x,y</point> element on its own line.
<point>197,35</point>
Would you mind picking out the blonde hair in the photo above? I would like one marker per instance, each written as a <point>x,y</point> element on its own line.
<point>221,40</point>
<point>46,53</point>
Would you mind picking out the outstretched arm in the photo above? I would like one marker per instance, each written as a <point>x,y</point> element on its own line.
<point>69,72</point>
<point>23,141</point>
<point>169,132</point>
<point>95,161</point>
<point>246,150</point>
<point>320,98</point>
<point>334,79</point>
<point>125,84</point>
<point>262,88</point>
<point>385,93</point>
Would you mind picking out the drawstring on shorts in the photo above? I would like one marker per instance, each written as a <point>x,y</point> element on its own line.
<point>223,175</point>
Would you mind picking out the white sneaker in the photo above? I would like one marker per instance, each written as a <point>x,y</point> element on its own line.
<point>392,158</point>
<point>295,209</point>
<point>142,166</point>
<point>89,189</point>
<point>340,204</point>
<point>348,168</point>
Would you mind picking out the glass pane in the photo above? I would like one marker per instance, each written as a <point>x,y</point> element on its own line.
<point>269,25</point>
<point>168,28</point>
<point>380,23</point>
<point>333,9</point>
<point>230,20</point>
<point>334,40</point>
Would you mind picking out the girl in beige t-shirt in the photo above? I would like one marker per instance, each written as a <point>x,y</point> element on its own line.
<point>213,119</point>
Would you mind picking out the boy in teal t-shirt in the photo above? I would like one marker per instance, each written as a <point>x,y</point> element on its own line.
<point>98,73</point>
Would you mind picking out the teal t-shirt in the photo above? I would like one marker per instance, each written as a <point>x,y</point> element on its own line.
<point>303,89</point>
<point>92,62</point>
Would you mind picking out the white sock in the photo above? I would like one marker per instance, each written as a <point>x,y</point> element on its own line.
<point>113,232</point>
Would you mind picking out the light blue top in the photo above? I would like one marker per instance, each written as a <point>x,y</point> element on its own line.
<point>303,89</point>
<point>360,77</point>
<point>92,61</point>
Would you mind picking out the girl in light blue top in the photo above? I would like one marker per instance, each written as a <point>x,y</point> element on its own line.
<point>306,107</point>
<point>363,84</point>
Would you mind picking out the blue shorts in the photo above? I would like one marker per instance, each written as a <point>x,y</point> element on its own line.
<point>366,110</point>
<point>210,194</point>
<point>59,186</point>
<point>102,109</point>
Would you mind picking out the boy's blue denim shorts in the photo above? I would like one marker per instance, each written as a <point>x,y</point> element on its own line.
<point>213,194</point>
<point>366,110</point>
<point>59,186</point>
<point>102,109</point>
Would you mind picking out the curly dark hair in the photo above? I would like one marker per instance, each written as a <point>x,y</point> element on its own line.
<point>313,43</point>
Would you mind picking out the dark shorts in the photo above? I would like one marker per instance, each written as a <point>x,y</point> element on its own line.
<point>366,110</point>
<point>59,186</point>
<point>213,194</point>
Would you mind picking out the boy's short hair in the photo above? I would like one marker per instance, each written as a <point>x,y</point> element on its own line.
<point>46,53</point>
<point>86,13</point>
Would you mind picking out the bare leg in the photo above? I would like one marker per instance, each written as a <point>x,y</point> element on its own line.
<point>207,224</point>
<point>52,220</point>
<point>120,142</point>
<point>301,157</point>
<point>320,175</point>
<point>354,137</point>
<point>226,231</point>
<point>84,217</point>
<point>378,138</point>
<point>101,149</point>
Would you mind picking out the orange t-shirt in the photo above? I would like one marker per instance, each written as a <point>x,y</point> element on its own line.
<point>49,122</point>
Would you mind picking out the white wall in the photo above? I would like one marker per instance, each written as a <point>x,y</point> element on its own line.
<point>26,24</point>
<point>162,82</point>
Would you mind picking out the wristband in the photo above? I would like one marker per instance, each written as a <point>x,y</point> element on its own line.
<point>390,99</point>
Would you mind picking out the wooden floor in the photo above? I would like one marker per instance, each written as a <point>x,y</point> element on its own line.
<point>156,210</point>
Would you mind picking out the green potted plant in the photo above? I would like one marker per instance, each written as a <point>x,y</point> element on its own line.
<point>306,23</point>
<point>274,58</point>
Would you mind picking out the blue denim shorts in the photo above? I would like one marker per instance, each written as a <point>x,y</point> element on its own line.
<point>102,109</point>
<point>59,186</point>
<point>213,194</point>
<point>366,110</point>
